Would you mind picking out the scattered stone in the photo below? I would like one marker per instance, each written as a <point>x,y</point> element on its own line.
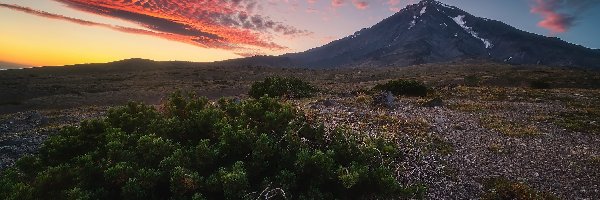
<point>436,102</point>
<point>237,100</point>
<point>23,133</point>
<point>385,98</point>
<point>328,103</point>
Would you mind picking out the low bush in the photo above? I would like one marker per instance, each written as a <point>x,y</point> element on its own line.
<point>404,87</point>
<point>539,84</point>
<point>282,87</point>
<point>472,81</point>
<point>192,149</point>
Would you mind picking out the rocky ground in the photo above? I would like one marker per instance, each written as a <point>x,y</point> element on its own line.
<point>486,123</point>
<point>455,151</point>
<point>453,147</point>
<point>23,133</point>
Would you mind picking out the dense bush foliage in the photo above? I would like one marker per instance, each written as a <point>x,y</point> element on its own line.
<point>282,87</point>
<point>192,149</point>
<point>404,87</point>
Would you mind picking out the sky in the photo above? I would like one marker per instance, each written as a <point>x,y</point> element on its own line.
<point>62,32</point>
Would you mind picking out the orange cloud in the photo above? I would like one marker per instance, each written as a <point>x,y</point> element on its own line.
<point>224,24</point>
<point>207,43</point>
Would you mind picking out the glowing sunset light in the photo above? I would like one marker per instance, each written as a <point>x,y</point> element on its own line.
<point>59,32</point>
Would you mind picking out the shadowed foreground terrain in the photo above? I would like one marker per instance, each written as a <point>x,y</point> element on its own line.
<point>535,127</point>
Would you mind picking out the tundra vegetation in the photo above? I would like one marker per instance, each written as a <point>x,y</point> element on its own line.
<point>189,148</point>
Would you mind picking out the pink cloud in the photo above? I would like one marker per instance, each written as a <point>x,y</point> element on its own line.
<point>560,15</point>
<point>227,24</point>
<point>337,3</point>
<point>361,5</point>
<point>552,20</point>
<point>393,2</point>
<point>206,42</point>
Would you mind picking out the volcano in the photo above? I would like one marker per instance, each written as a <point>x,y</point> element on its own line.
<point>432,32</point>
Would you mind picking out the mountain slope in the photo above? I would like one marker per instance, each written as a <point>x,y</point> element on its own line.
<point>430,32</point>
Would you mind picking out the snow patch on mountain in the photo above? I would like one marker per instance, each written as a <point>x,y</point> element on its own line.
<point>356,34</point>
<point>412,23</point>
<point>423,10</point>
<point>444,5</point>
<point>460,20</point>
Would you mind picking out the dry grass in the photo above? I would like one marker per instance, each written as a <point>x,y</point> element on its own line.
<point>501,188</point>
<point>509,127</point>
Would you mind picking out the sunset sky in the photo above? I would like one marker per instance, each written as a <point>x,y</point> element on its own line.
<point>60,32</point>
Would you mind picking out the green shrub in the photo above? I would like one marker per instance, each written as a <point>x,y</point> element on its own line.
<point>190,149</point>
<point>404,87</point>
<point>472,80</point>
<point>539,84</point>
<point>282,87</point>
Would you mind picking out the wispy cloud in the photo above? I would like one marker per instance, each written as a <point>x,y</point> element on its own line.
<point>361,5</point>
<point>337,3</point>
<point>208,43</point>
<point>358,4</point>
<point>225,24</point>
<point>560,15</point>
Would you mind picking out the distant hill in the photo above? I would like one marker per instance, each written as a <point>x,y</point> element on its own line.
<point>9,65</point>
<point>431,32</point>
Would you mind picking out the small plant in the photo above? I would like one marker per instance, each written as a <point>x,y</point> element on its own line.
<point>11,103</point>
<point>282,87</point>
<point>594,160</point>
<point>472,81</point>
<point>496,148</point>
<point>404,87</point>
<point>582,120</point>
<point>508,127</point>
<point>503,189</point>
<point>364,99</point>
<point>539,84</point>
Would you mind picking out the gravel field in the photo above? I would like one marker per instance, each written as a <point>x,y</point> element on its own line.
<point>23,133</point>
<point>453,152</point>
